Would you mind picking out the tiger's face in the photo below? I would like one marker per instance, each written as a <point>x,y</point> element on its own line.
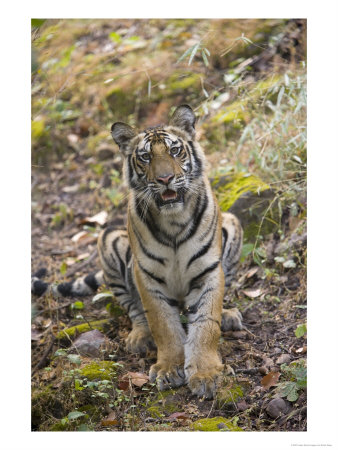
<point>162,164</point>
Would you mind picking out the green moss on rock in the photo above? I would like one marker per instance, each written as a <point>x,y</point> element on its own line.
<point>215,424</point>
<point>102,370</point>
<point>164,404</point>
<point>250,199</point>
<point>70,332</point>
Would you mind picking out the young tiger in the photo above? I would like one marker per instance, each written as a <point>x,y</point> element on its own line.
<point>178,254</point>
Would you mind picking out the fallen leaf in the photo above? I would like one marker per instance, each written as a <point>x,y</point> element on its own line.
<point>301,350</point>
<point>110,420</point>
<point>271,379</point>
<point>138,378</point>
<point>84,236</point>
<point>80,235</point>
<point>253,293</point>
<point>100,218</point>
<point>250,273</point>
<point>35,335</point>
<point>124,385</point>
<point>179,416</point>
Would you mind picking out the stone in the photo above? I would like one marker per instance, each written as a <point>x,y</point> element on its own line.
<point>91,343</point>
<point>277,407</point>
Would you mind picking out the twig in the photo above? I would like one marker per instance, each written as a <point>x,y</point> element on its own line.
<point>81,265</point>
<point>42,361</point>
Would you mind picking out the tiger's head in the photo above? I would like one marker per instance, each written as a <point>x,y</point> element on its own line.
<point>163,164</point>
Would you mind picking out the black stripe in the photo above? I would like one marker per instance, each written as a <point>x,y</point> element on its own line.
<point>196,219</point>
<point>197,172</point>
<point>128,255</point>
<point>171,301</point>
<point>118,294</point>
<point>158,235</point>
<point>145,251</point>
<point>104,236</point>
<point>194,308</point>
<point>40,273</point>
<point>91,281</point>
<point>65,289</point>
<point>193,281</point>
<point>39,287</point>
<point>151,275</point>
<point>115,285</point>
<point>203,250</point>
<point>225,238</point>
<point>122,265</point>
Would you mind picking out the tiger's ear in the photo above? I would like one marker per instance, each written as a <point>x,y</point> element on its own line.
<point>184,118</point>
<point>122,134</point>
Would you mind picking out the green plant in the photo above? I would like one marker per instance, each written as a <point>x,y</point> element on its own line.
<point>295,376</point>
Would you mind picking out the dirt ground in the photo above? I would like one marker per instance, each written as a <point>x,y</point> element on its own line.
<point>272,300</point>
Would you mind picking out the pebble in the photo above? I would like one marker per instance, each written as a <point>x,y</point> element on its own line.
<point>283,359</point>
<point>276,407</point>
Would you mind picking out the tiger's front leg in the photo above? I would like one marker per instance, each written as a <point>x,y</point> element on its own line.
<point>203,365</point>
<point>165,325</point>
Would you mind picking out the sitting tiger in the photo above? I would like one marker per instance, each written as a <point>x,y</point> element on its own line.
<point>178,254</point>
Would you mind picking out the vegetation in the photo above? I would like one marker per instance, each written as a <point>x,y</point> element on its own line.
<point>246,81</point>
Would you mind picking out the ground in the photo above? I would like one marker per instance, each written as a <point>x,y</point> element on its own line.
<point>264,383</point>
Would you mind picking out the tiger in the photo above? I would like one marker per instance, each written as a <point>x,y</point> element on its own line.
<point>178,255</point>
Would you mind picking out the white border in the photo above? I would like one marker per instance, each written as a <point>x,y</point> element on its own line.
<point>15,209</point>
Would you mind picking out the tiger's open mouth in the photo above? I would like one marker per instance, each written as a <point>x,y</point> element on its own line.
<point>169,195</point>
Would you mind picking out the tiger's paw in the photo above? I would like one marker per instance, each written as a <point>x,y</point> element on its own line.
<point>204,380</point>
<point>231,320</point>
<point>140,340</point>
<point>166,375</point>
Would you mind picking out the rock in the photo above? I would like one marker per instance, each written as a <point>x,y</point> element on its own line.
<point>221,425</point>
<point>284,358</point>
<point>277,407</point>
<point>91,343</point>
<point>248,197</point>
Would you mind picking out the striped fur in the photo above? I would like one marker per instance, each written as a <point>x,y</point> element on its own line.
<point>175,255</point>
<point>178,254</point>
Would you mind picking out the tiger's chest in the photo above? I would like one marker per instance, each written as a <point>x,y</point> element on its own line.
<point>173,251</point>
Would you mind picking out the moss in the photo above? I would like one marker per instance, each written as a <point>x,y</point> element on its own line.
<point>70,332</point>
<point>229,395</point>
<point>164,404</point>
<point>235,186</point>
<point>178,83</point>
<point>215,424</point>
<point>45,404</point>
<point>250,199</point>
<point>103,370</point>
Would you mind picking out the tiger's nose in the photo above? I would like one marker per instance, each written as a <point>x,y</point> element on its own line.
<point>165,179</point>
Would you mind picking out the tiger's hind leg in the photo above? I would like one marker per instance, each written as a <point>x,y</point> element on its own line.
<point>117,264</point>
<point>232,240</point>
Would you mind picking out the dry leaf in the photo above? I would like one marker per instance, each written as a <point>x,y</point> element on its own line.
<point>250,273</point>
<point>138,378</point>
<point>84,237</point>
<point>301,350</point>
<point>253,293</point>
<point>110,420</point>
<point>100,218</point>
<point>179,416</point>
<point>271,379</point>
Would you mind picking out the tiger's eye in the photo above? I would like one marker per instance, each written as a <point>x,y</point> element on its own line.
<point>175,151</point>
<point>145,157</point>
